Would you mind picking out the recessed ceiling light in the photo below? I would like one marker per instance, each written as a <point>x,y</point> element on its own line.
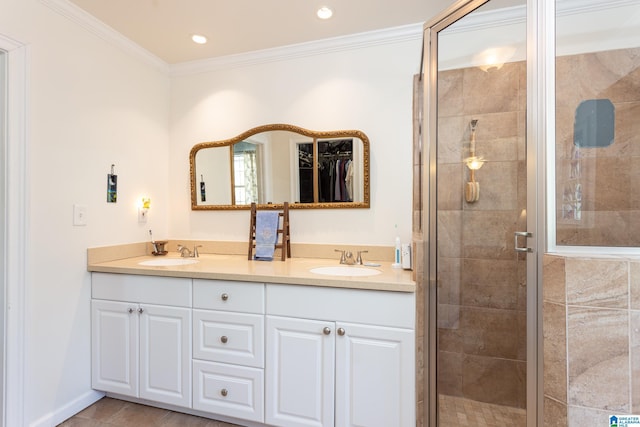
<point>324,12</point>
<point>198,38</point>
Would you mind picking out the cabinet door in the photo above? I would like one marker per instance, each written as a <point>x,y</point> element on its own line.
<point>299,372</point>
<point>165,354</point>
<point>114,347</point>
<point>374,376</point>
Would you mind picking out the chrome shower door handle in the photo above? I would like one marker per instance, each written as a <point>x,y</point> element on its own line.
<point>515,244</point>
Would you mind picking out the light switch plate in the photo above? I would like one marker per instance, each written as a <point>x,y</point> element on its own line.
<point>142,215</point>
<point>79,215</point>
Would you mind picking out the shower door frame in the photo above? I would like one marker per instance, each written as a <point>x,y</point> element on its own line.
<point>540,32</point>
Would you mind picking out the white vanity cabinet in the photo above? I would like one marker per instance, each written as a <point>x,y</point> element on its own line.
<point>228,348</point>
<point>141,337</point>
<point>339,357</point>
<point>281,355</point>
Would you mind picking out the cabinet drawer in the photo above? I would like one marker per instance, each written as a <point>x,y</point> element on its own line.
<point>236,338</point>
<point>228,296</point>
<point>396,309</point>
<point>172,291</point>
<point>235,391</point>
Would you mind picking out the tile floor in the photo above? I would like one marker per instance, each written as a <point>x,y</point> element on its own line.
<point>460,412</point>
<point>108,412</point>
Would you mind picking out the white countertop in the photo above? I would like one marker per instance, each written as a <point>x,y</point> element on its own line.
<point>237,268</point>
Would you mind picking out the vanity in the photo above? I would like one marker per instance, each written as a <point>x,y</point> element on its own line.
<point>256,343</point>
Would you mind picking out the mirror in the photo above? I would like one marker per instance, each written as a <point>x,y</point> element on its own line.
<point>278,163</point>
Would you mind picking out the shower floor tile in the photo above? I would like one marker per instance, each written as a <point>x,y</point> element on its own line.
<point>460,412</point>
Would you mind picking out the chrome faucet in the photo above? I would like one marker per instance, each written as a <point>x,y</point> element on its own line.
<point>346,257</point>
<point>186,253</point>
<point>349,259</point>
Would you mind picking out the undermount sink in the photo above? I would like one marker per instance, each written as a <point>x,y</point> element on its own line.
<point>343,270</point>
<point>165,262</point>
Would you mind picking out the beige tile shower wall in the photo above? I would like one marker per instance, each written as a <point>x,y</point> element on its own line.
<point>610,213</point>
<point>591,339</point>
<point>482,293</point>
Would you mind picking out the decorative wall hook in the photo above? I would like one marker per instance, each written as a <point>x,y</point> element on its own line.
<point>473,162</point>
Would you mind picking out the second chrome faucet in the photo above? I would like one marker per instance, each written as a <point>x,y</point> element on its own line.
<point>346,257</point>
<point>186,253</point>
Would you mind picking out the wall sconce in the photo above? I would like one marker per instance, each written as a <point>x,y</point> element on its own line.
<point>493,58</point>
<point>473,162</point>
<point>143,209</point>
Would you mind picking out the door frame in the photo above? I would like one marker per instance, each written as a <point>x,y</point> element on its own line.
<point>15,225</point>
<point>540,21</point>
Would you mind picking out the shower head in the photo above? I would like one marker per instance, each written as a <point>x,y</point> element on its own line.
<point>474,123</point>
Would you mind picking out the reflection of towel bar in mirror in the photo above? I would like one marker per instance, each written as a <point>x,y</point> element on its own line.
<point>283,243</point>
<point>272,164</point>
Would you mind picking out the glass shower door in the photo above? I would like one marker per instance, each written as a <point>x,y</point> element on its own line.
<point>479,177</point>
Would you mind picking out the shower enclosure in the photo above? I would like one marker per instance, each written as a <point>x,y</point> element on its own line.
<point>479,280</point>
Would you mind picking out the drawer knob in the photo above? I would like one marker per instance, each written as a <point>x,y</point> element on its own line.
<point>326,330</point>
<point>224,392</point>
<point>224,296</point>
<point>341,331</point>
<point>224,339</point>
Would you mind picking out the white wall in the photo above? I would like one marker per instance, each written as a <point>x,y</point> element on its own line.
<point>368,89</point>
<point>89,105</point>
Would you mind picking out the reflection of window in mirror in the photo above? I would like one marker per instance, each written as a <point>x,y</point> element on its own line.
<point>246,173</point>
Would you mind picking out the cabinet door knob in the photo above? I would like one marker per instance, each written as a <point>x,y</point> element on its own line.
<point>224,296</point>
<point>224,392</point>
<point>341,331</point>
<point>130,310</point>
<point>224,339</point>
<point>140,310</point>
<point>326,330</point>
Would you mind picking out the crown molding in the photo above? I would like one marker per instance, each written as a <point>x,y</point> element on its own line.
<point>474,22</point>
<point>357,41</point>
<point>105,32</point>
<point>318,47</point>
<point>518,14</point>
<point>573,7</point>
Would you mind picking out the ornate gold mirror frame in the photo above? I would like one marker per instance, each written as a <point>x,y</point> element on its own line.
<point>281,149</point>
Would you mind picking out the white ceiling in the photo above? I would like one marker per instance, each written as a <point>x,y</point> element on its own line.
<point>164,27</point>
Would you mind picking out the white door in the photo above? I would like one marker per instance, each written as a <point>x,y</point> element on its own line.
<point>300,372</point>
<point>374,376</point>
<point>114,347</point>
<point>165,354</point>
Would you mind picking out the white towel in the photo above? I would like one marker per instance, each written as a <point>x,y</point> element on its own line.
<point>266,235</point>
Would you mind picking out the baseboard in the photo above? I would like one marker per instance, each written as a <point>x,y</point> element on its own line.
<point>69,410</point>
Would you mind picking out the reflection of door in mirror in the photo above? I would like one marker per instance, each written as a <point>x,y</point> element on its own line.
<point>336,167</point>
<point>305,173</point>
<point>213,168</point>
